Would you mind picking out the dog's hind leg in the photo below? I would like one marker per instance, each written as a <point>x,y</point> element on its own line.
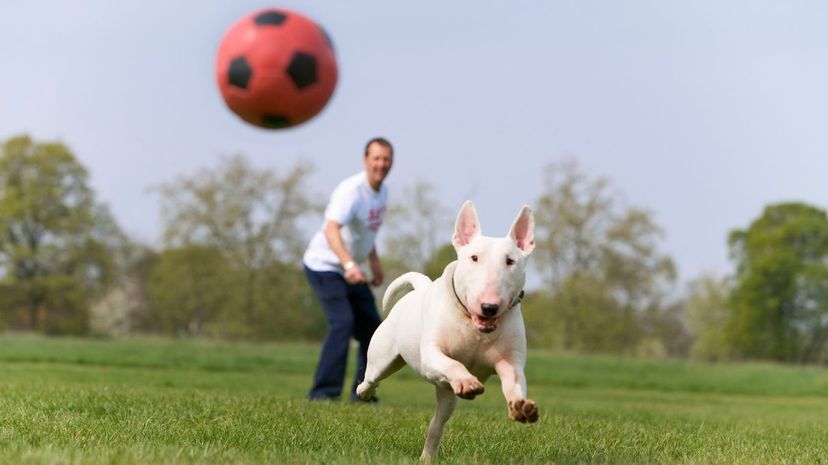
<point>383,361</point>
<point>446,402</point>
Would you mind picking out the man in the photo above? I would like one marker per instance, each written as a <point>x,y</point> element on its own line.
<point>333,265</point>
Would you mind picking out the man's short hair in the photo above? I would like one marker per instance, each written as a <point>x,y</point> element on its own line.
<point>381,141</point>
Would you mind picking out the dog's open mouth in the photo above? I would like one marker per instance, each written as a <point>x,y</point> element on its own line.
<point>484,324</point>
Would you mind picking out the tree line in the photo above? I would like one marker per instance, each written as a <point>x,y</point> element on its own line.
<point>229,263</point>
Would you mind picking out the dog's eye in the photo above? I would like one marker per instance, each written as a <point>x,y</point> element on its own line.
<point>474,258</point>
<point>509,261</point>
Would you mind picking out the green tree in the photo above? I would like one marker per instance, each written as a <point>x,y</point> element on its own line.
<point>415,227</point>
<point>189,291</point>
<point>303,319</point>
<point>780,298</point>
<point>56,242</point>
<point>591,320</point>
<point>602,264</point>
<point>707,309</point>
<point>251,214</point>
<point>253,217</point>
<point>441,257</point>
<point>124,307</point>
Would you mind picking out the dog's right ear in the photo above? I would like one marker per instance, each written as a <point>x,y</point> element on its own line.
<point>467,227</point>
<point>523,231</point>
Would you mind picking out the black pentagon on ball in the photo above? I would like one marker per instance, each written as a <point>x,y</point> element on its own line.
<point>275,121</point>
<point>272,18</point>
<point>302,69</point>
<point>239,73</point>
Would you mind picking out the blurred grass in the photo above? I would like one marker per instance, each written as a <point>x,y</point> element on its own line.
<point>147,401</point>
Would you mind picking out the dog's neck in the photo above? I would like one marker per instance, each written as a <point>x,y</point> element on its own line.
<point>448,279</point>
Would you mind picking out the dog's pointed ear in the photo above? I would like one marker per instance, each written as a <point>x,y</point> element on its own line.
<point>467,227</point>
<point>523,230</point>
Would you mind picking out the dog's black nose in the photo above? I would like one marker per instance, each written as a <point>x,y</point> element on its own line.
<point>489,309</point>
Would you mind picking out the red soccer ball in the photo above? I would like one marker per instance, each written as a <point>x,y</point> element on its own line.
<point>276,68</point>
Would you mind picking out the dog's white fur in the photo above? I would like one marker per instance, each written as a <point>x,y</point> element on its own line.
<point>462,328</point>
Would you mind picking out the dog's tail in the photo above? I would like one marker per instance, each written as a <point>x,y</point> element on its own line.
<point>402,286</point>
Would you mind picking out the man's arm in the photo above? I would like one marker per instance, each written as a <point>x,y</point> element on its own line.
<point>353,274</point>
<point>376,267</point>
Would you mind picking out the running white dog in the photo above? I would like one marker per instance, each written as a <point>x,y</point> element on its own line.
<point>462,328</point>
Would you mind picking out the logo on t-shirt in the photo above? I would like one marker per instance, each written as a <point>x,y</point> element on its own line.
<point>375,218</point>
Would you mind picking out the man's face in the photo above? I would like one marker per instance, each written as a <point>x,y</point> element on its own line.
<point>378,163</point>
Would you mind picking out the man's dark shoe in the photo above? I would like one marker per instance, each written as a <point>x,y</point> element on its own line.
<point>373,400</point>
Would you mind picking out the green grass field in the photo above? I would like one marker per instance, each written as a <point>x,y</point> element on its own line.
<point>147,401</point>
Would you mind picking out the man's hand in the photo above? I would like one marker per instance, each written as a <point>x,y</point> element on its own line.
<point>376,271</point>
<point>353,274</point>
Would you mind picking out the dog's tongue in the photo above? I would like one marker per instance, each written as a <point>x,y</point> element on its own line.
<point>483,324</point>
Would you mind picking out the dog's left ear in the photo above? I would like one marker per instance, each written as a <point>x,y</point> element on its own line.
<point>523,230</point>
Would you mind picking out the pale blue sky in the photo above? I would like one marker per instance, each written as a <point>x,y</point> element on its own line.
<point>702,112</point>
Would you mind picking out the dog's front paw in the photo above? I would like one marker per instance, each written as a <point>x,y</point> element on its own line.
<point>467,388</point>
<point>523,410</point>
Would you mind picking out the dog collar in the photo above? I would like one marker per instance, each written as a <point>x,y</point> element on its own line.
<point>454,289</point>
<point>517,299</point>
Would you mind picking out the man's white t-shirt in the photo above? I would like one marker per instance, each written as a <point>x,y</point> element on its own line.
<point>359,209</point>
